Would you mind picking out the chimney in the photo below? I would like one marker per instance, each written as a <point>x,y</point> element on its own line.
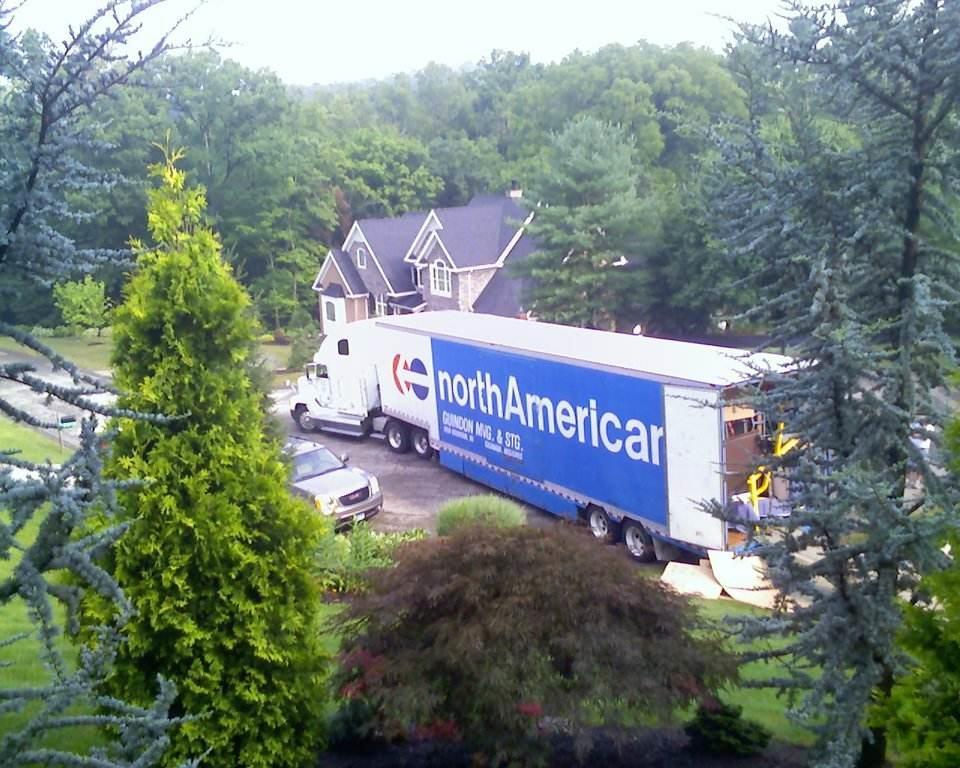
<point>514,193</point>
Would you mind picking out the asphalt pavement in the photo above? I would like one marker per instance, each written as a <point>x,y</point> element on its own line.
<point>414,489</point>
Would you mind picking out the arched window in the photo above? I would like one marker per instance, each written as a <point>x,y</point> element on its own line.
<point>331,311</point>
<point>440,278</point>
<point>361,258</point>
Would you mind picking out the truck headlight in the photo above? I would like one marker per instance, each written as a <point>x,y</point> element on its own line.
<point>374,485</point>
<point>325,504</point>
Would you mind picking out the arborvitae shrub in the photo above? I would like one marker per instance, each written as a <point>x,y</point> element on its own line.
<point>217,559</point>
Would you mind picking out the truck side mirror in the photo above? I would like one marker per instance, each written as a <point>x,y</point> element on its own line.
<point>344,457</point>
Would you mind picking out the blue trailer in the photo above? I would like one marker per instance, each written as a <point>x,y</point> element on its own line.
<point>628,433</point>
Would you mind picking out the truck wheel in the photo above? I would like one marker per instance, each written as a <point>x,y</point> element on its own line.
<point>420,441</point>
<point>638,541</point>
<point>602,526</point>
<point>398,436</point>
<point>302,418</point>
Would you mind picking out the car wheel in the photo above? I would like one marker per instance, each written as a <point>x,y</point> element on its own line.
<point>420,441</point>
<point>398,436</point>
<point>602,526</point>
<point>639,543</point>
<point>303,420</point>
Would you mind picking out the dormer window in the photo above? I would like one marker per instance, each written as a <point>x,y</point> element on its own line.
<point>361,258</point>
<point>440,278</point>
<point>416,275</point>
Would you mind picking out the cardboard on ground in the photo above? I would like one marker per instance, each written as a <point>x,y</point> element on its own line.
<point>735,572</point>
<point>742,578</point>
<point>691,580</point>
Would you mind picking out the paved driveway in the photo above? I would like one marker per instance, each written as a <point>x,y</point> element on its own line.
<point>413,489</point>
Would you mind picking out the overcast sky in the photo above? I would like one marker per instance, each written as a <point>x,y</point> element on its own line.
<point>307,41</point>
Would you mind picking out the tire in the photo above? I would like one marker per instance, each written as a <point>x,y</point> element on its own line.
<point>420,442</point>
<point>602,527</point>
<point>638,542</point>
<point>302,418</point>
<point>398,436</point>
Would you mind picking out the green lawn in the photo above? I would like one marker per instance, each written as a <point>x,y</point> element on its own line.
<point>88,352</point>
<point>93,354</point>
<point>20,664</point>
<point>32,444</point>
<point>759,704</point>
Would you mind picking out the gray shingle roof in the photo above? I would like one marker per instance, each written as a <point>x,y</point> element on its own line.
<point>408,302</point>
<point>389,239</point>
<point>354,282</point>
<point>505,294</point>
<point>477,233</point>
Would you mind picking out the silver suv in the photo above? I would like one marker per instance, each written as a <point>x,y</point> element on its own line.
<point>348,493</point>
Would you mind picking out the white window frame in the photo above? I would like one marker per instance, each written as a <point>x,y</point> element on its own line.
<point>361,258</point>
<point>417,276</point>
<point>441,283</point>
<point>380,306</point>
<point>330,308</point>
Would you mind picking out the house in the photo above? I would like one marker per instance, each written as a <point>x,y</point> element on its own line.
<point>446,258</point>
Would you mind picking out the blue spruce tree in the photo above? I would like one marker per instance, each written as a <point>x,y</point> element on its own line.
<point>842,190</point>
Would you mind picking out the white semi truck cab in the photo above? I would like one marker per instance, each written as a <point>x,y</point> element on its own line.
<point>629,433</point>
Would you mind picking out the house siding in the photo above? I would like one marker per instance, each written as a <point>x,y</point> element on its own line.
<point>433,300</point>
<point>471,284</point>
<point>356,310</point>
<point>355,307</point>
<point>371,275</point>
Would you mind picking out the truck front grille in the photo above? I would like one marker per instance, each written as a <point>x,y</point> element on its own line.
<point>355,497</point>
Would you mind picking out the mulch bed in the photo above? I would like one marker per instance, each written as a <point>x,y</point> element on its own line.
<point>651,748</point>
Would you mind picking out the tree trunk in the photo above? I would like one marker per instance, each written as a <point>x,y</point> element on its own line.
<point>873,751</point>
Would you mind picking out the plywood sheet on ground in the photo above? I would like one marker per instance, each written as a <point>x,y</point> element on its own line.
<point>691,580</point>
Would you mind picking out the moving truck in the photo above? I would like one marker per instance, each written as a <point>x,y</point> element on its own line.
<point>628,433</point>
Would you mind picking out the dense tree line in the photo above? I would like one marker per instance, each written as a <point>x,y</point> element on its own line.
<point>287,170</point>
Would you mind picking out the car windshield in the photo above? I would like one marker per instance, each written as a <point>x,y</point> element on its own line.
<point>314,463</point>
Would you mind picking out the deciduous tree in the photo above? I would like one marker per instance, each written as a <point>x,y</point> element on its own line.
<point>490,629</point>
<point>83,303</point>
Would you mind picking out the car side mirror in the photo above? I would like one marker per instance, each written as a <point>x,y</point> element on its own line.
<point>344,457</point>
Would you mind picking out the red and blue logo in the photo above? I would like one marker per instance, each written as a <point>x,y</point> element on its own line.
<point>411,376</point>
